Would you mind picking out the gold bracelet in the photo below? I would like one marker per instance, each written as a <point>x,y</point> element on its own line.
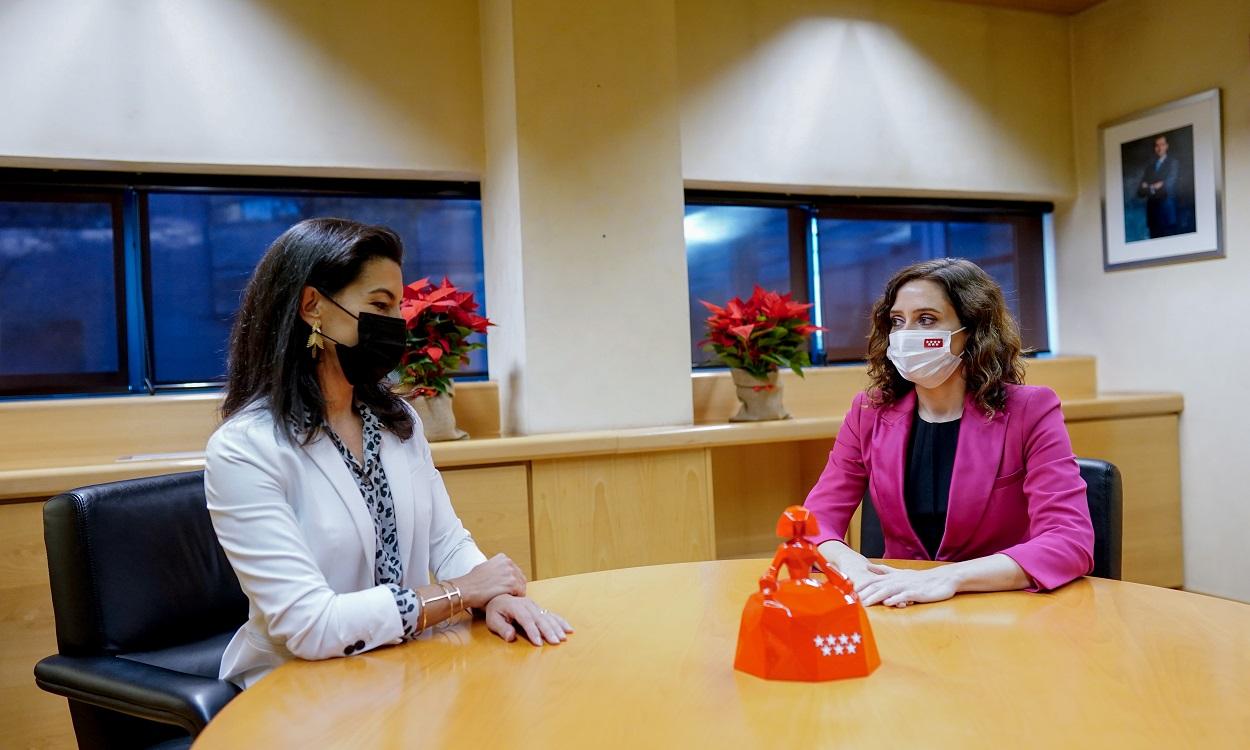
<point>446,595</point>
<point>451,606</point>
<point>458,608</point>
<point>449,590</point>
<point>446,591</point>
<point>421,620</point>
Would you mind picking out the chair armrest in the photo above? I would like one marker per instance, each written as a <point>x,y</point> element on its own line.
<point>136,689</point>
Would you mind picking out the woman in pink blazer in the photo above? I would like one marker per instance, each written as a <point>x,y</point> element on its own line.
<point>963,462</point>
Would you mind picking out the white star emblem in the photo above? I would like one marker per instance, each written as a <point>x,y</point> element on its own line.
<point>830,639</point>
<point>855,637</point>
<point>850,648</point>
<point>820,642</point>
<point>838,649</point>
<point>843,639</point>
<point>825,650</point>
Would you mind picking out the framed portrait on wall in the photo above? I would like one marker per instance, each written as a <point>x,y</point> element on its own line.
<point>1163,185</point>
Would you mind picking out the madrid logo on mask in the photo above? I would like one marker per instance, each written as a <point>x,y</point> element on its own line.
<point>934,343</point>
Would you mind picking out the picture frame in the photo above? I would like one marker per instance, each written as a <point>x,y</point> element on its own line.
<point>1163,184</point>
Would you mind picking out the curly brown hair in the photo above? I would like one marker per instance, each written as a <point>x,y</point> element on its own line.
<point>993,346</point>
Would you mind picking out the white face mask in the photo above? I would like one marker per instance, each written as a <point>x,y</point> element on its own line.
<point>923,357</point>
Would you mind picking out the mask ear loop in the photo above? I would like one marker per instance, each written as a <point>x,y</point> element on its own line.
<point>951,340</point>
<point>336,304</point>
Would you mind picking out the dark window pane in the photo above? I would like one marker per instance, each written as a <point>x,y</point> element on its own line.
<point>729,249</point>
<point>858,255</point>
<point>992,246</point>
<point>59,305</point>
<point>204,246</point>
<point>1010,250</point>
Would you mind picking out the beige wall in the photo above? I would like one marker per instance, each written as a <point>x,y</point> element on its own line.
<point>1180,327</point>
<point>390,86</point>
<point>898,96</point>
<point>584,181</point>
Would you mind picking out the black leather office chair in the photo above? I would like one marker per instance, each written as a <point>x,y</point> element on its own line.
<point>145,603</point>
<point>1106,510</point>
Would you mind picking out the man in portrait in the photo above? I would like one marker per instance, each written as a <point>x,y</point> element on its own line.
<point>1158,185</point>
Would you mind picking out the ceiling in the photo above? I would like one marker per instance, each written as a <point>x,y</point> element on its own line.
<point>1058,7</point>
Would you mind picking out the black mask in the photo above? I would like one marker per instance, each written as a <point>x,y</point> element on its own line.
<point>380,345</point>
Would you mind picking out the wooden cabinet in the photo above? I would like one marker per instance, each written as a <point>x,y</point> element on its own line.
<point>493,503</point>
<point>29,717</point>
<point>1146,450</point>
<point>619,511</point>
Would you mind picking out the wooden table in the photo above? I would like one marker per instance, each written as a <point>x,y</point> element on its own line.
<point>1098,663</point>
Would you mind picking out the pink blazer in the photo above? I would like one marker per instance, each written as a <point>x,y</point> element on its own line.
<point>1015,487</point>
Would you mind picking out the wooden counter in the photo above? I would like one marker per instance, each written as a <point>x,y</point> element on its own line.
<point>59,473</point>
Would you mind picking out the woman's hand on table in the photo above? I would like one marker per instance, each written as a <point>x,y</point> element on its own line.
<point>852,565</point>
<point>498,575</point>
<point>857,573</point>
<point>898,587</point>
<point>505,614</point>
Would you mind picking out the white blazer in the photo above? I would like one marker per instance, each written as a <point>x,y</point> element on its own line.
<point>301,540</point>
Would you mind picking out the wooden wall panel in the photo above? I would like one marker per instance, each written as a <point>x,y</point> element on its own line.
<point>1070,377</point>
<point>29,717</point>
<point>1147,452</point>
<point>67,432</point>
<point>493,502</point>
<point>606,512</point>
<point>752,484</point>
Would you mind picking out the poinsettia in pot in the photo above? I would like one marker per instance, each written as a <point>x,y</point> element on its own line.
<point>757,338</point>
<point>440,320</point>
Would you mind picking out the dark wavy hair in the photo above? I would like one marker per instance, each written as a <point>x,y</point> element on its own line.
<point>268,359</point>
<point>993,347</point>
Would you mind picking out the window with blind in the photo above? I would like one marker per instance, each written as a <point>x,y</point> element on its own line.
<point>838,253</point>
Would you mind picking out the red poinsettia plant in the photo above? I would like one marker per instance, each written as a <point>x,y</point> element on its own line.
<point>761,335</point>
<point>440,319</point>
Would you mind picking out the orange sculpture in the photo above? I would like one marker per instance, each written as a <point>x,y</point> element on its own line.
<point>800,628</point>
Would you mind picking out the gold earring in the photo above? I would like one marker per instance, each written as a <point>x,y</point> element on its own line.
<point>315,340</point>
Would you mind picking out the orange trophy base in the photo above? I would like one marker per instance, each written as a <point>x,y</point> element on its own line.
<point>806,632</point>
<point>800,628</point>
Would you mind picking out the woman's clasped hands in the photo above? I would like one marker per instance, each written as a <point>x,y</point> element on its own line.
<point>497,586</point>
<point>897,587</point>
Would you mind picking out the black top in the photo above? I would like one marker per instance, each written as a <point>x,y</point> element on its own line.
<point>930,460</point>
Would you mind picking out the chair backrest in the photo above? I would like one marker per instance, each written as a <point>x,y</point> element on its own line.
<point>135,566</point>
<point>1106,511</point>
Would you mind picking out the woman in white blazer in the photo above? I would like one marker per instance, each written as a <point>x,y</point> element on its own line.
<point>320,483</point>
